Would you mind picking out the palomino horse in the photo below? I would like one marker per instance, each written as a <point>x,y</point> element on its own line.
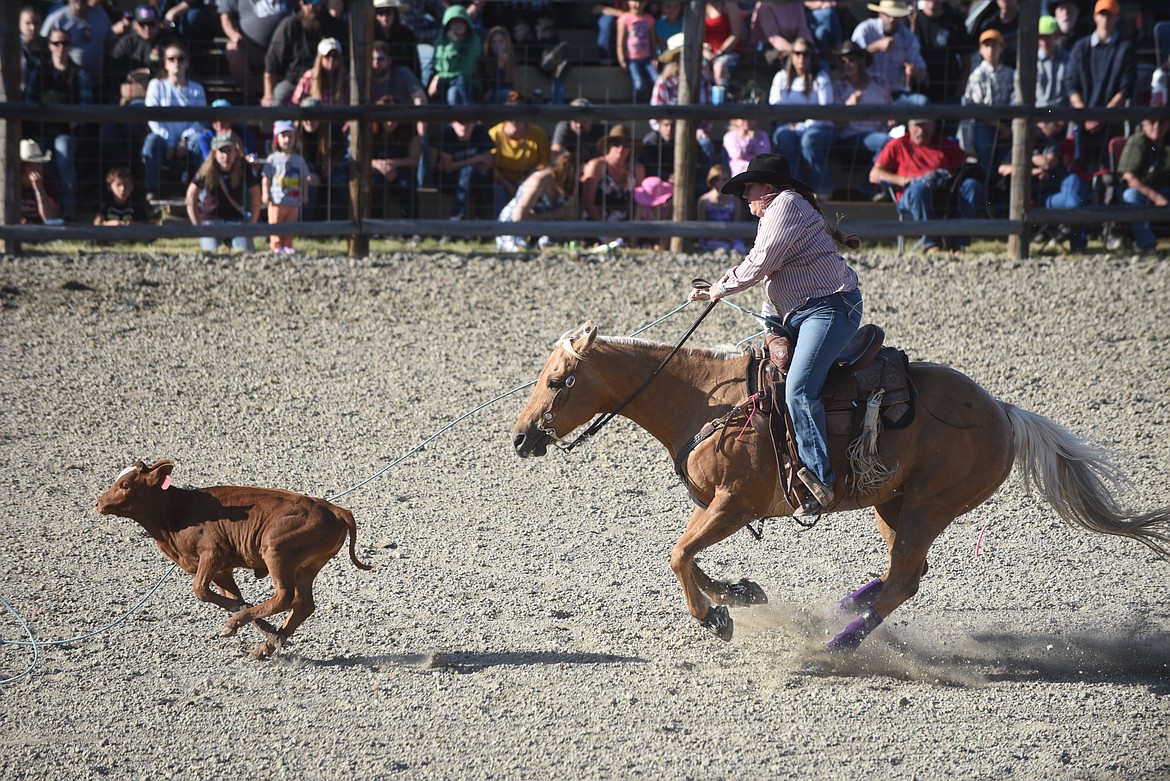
<point>958,450</point>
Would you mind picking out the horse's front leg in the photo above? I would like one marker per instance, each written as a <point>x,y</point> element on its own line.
<point>706,528</point>
<point>741,593</point>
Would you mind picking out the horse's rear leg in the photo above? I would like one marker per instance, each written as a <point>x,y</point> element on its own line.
<point>913,534</point>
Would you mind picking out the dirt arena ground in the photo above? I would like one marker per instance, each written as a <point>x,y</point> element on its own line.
<point>522,621</point>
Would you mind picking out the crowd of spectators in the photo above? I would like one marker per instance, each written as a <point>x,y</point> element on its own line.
<point>1092,53</point>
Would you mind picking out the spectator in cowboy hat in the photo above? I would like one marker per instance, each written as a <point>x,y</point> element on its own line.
<point>897,55</point>
<point>608,181</point>
<point>400,41</point>
<point>38,200</point>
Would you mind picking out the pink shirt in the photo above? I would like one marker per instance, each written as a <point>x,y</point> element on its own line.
<point>638,27</point>
<point>741,149</point>
<point>793,255</point>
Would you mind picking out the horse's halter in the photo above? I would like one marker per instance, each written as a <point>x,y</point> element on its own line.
<point>545,424</point>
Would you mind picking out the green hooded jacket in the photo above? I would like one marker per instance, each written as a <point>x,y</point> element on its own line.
<point>457,59</point>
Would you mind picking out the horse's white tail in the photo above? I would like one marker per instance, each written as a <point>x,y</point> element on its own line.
<point>1076,478</point>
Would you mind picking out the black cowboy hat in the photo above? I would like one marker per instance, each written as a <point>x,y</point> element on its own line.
<point>769,168</point>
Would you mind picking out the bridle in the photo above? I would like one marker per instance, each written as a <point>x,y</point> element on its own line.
<point>562,394</point>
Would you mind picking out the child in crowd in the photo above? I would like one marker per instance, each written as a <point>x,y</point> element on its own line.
<point>284,180</point>
<point>637,46</point>
<point>991,84</point>
<point>714,206</point>
<point>456,60</point>
<point>225,190</point>
<point>669,22</point>
<point>743,142</point>
<point>117,205</point>
<point>652,203</point>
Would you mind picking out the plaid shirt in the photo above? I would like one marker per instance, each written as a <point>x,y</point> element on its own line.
<point>991,86</point>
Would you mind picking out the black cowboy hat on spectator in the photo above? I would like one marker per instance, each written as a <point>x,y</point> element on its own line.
<point>850,49</point>
<point>768,168</point>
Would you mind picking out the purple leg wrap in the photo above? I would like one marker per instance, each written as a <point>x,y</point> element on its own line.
<point>864,596</point>
<point>857,630</point>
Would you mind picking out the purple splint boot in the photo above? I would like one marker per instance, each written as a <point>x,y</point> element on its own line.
<point>863,597</point>
<point>857,630</point>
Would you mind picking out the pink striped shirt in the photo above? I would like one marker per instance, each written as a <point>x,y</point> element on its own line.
<point>794,255</point>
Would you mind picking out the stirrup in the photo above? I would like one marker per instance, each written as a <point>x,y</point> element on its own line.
<point>810,506</point>
<point>822,493</point>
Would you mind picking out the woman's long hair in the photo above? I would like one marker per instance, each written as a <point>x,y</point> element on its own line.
<point>843,239</point>
<point>329,86</point>
<point>212,175</point>
<point>490,56</point>
<point>813,65</point>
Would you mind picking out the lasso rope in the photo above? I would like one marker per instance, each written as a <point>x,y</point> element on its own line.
<point>35,644</point>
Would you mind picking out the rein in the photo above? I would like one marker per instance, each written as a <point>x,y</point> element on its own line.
<point>606,417</point>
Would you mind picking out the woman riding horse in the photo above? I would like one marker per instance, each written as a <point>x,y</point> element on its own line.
<point>812,293</point>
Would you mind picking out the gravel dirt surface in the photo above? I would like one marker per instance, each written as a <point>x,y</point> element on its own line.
<point>522,621</point>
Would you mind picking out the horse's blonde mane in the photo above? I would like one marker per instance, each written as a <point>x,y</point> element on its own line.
<point>722,353</point>
<point>565,342</point>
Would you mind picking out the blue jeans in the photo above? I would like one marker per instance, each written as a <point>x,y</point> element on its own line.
<point>643,74</point>
<point>65,159</point>
<point>458,91</point>
<point>862,150</point>
<point>242,243</point>
<point>1143,234</point>
<point>823,327</point>
<point>807,150</point>
<point>988,147</point>
<point>606,35</point>
<point>918,204</point>
<point>825,28</point>
<point>1073,194</point>
<point>471,189</point>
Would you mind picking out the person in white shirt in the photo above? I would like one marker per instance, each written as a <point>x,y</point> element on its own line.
<point>171,142</point>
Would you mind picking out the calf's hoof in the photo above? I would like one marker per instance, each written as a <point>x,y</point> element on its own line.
<point>229,629</point>
<point>744,593</point>
<point>719,623</point>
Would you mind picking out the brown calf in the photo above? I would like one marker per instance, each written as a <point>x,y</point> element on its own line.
<point>212,531</point>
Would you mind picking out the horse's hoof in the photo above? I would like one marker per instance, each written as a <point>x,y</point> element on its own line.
<point>719,622</point>
<point>744,593</point>
<point>262,651</point>
<point>858,629</point>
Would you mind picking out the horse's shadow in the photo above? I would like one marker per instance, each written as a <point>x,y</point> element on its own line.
<point>473,662</point>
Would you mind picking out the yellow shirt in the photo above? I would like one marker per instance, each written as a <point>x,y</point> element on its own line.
<point>516,159</point>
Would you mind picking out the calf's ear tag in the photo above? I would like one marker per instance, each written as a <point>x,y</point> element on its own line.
<point>166,483</point>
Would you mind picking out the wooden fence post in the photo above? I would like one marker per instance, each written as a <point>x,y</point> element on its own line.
<point>10,130</point>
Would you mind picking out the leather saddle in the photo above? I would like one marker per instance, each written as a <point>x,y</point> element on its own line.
<point>865,370</point>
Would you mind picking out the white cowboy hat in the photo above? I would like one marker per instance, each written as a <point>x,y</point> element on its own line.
<point>890,8</point>
<point>30,152</point>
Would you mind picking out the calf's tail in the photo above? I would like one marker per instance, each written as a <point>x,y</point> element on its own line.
<point>347,518</point>
<point>1076,479</point>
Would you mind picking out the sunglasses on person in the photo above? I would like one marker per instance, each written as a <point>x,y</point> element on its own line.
<point>800,52</point>
<point>177,58</point>
<point>61,42</point>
